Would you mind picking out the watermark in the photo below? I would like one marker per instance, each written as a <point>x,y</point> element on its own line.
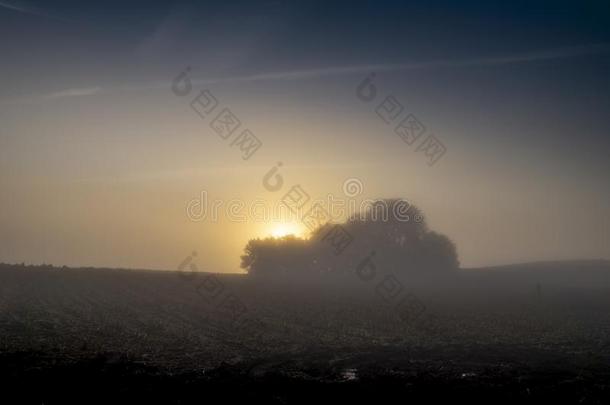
<point>293,206</point>
<point>224,122</point>
<point>313,214</point>
<point>352,187</point>
<point>408,128</point>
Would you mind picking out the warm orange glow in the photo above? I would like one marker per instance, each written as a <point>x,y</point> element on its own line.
<point>284,229</point>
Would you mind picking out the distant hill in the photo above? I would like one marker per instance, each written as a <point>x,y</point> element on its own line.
<point>549,265</point>
<point>565,274</point>
<point>568,274</point>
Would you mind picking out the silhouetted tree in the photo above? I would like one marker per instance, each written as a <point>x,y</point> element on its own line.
<point>275,255</point>
<point>396,231</point>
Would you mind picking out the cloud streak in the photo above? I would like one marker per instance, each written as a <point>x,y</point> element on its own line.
<point>27,9</point>
<point>520,58</point>
<point>58,95</point>
<point>77,92</point>
<point>545,55</point>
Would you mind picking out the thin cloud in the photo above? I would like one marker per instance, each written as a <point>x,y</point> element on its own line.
<point>537,56</point>
<point>68,93</point>
<point>560,53</point>
<point>77,92</point>
<point>14,7</point>
<point>28,9</point>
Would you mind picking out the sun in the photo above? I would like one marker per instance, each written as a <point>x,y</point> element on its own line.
<point>285,229</point>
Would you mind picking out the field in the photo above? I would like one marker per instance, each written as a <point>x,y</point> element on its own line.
<point>526,333</point>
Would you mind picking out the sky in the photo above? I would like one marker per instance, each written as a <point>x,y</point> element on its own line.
<point>102,162</point>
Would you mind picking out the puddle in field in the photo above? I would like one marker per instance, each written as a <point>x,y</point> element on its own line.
<point>349,374</point>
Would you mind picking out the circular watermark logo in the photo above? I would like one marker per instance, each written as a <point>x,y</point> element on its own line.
<point>352,187</point>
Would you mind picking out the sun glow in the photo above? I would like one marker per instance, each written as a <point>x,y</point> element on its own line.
<point>284,229</point>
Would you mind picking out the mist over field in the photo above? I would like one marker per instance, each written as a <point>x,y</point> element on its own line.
<point>299,202</point>
<point>521,332</point>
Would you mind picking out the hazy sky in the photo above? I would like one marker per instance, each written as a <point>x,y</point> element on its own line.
<point>99,158</point>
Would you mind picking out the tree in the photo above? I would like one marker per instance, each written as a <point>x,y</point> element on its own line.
<point>395,230</point>
<point>275,255</point>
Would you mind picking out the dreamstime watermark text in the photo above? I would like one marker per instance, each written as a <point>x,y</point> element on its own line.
<point>205,208</point>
